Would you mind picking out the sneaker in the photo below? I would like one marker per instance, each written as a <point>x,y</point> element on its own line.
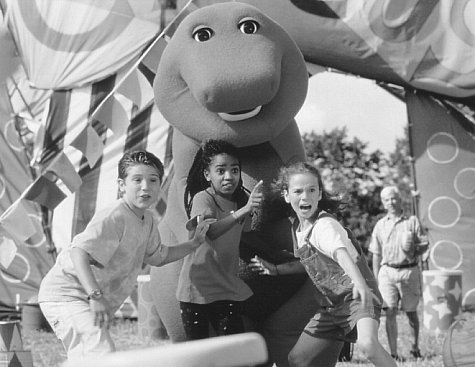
<point>416,354</point>
<point>398,358</point>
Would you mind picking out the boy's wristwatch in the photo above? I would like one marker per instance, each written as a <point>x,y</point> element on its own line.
<point>96,294</point>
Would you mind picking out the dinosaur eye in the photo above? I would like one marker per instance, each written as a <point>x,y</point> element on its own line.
<point>202,34</point>
<point>248,26</point>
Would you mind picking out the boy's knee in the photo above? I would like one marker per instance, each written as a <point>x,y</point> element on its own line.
<point>291,359</point>
<point>368,348</point>
<point>295,359</point>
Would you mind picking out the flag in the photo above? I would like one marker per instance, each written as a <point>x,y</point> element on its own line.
<point>11,218</point>
<point>443,144</point>
<point>45,192</point>
<point>89,144</point>
<point>63,168</point>
<point>8,251</point>
<point>113,115</point>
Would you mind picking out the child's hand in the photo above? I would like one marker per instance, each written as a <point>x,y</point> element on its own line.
<point>363,293</point>
<point>101,310</point>
<point>255,198</point>
<point>200,232</point>
<point>262,266</point>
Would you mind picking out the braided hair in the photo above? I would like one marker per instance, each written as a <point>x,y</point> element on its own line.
<point>196,180</point>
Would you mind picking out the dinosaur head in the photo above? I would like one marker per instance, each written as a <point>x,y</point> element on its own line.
<point>230,72</point>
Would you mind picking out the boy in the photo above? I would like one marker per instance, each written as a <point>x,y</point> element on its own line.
<point>92,278</point>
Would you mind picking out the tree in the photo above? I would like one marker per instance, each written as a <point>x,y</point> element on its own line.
<point>401,163</point>
<point>348,168</point>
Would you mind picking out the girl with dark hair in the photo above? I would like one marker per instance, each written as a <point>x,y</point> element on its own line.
<point>344,285</point>
<point>209,289</point>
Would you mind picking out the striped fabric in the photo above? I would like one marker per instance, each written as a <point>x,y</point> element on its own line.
<point>68,114</point>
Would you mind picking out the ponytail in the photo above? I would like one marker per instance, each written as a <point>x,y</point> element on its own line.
<point>195,182</point>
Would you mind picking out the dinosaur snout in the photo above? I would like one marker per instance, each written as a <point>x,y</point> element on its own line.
<point>237,93</point>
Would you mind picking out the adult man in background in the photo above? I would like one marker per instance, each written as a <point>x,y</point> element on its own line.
<point>396,243</point>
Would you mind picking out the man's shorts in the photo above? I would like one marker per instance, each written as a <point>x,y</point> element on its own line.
<point>400,285</point>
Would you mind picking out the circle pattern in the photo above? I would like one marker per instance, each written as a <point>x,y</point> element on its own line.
<point>18,280</point>
<point>11,136</point>
<point>450,243</point>
<point>442,148</point>
<point>2,186</point>
<point>464,183</point>
<point>468,301</point>
<point>60,41</point>
<point>444,212</point>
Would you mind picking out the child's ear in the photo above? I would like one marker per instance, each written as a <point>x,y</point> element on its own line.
<point>285,194</point>
<point>121,184</point>
<point>206,174</point>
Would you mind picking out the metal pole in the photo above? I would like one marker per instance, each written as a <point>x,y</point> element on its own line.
<point>414,191</point>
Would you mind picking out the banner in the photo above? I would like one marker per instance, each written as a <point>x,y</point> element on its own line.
<point>71,43</point>
<point>443,144</point>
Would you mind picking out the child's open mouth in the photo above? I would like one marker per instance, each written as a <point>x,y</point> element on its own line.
<point>305,207</point>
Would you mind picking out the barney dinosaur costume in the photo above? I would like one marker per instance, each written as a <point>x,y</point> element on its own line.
<point>230,72</point>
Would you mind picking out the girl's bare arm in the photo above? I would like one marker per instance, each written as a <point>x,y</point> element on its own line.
<point>262,266</point>
<point>223,225</point>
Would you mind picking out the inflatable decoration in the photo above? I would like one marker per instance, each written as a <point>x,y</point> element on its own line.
<point>241,79</point>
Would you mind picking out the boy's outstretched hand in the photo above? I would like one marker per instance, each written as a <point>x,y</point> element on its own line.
<point>102,315</point>
<point>200,232</point>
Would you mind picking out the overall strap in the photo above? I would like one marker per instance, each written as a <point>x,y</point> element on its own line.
<point>320,215</point>
<point>351,237</point>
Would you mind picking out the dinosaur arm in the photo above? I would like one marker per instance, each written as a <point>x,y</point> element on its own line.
<point>184,150</point>
<point>288,144</point>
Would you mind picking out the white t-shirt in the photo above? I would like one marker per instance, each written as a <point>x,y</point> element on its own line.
<point>328,235</point>
<point>119,242</point>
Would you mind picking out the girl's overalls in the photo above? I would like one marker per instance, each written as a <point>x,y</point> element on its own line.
<point>329,278</point>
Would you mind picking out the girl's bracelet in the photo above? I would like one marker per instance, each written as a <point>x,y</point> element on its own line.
<point>236,218</point>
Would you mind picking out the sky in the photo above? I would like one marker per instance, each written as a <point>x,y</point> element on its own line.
<point>368,111</point>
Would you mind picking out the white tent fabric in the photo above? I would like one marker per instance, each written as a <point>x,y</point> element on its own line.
<point>71,43</point>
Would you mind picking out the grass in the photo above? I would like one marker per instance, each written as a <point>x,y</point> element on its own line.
<point>47,351</point>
